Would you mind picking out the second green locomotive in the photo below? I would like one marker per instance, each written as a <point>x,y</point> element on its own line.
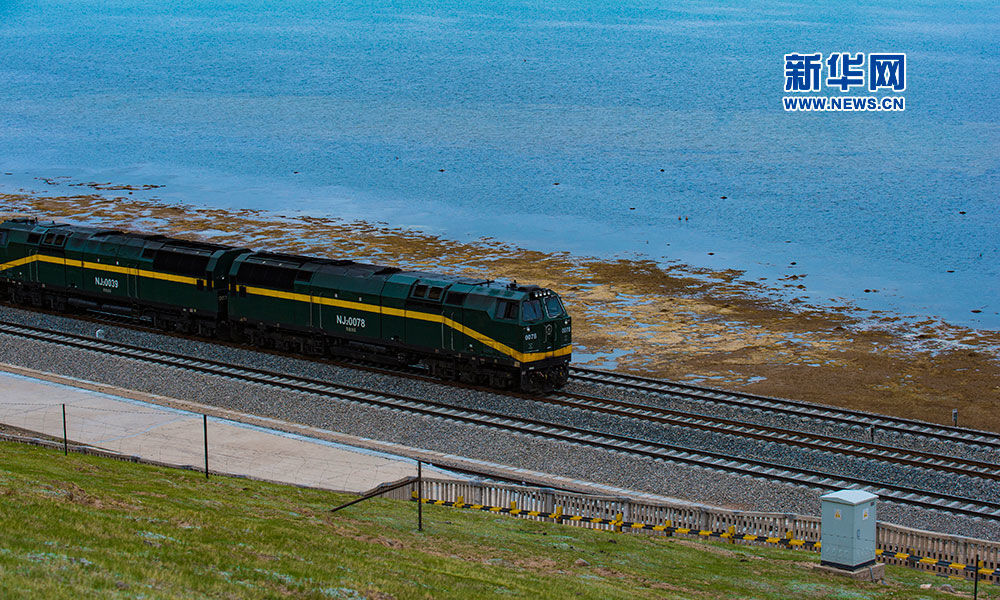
<point>476,331</point>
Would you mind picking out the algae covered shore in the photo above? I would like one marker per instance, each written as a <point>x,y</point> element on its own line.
<point>638,316</point>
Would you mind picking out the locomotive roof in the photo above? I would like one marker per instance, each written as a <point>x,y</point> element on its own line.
<point>354,269</point>
<point>341,267</point>
<point>91,232</point>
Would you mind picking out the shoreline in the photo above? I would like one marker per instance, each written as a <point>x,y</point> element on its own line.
<point>789,272</point>
<point>636,315</point>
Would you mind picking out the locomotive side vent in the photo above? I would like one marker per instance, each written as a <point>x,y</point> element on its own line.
<point>456,298</point>
<point>270,276</point>
<point>180,263</point>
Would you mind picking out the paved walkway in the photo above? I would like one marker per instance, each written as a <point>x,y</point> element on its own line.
<point>176,436</point>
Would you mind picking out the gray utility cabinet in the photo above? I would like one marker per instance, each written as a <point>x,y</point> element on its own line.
<point>848,529</point>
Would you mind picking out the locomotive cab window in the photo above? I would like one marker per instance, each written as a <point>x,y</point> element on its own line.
<point>531,310</point>
<point>34,238</point>
<point>434,294</point>
<point>506,309</point>
<point>420,291</point>
<point>49,238</point>
<point>553,307</point>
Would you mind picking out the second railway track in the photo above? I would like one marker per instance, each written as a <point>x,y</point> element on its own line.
<point>804,410</point>
<point>814,441</point>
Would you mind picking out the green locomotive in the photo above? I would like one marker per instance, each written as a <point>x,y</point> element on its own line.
<point>476,331</point>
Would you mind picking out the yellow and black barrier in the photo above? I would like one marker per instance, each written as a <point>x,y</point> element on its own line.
<point>668,528</point>
<point>934,562</point>
<point>620,524</point>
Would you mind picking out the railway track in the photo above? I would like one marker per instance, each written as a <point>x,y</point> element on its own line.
<point>802,410</point>
<point>547,430</point>
<point>675,390</point>
<point>809,440</point>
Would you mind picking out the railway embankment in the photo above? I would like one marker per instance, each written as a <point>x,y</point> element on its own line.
<point>82,526</point>
<point>660,469</point>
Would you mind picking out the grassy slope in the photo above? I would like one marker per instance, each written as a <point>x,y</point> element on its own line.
<point>84,527</point>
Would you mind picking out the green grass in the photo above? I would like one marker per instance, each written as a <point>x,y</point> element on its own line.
<point>85,527</point>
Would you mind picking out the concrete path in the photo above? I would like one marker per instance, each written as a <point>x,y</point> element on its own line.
<point>176,436</point>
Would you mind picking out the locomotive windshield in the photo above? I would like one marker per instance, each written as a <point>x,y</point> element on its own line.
<point>553,307</point>
<point>531,310</point>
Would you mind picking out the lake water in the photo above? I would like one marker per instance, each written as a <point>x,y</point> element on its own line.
<point>459,118</point>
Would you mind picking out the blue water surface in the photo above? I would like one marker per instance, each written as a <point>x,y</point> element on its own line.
<point>458,118</point>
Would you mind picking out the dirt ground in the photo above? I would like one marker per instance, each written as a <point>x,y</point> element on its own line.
<point>636,316</point>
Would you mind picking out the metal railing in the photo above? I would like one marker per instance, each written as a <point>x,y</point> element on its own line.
<point>891,539</point>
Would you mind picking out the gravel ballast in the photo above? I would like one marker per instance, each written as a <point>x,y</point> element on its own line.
<point>521,451</point>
